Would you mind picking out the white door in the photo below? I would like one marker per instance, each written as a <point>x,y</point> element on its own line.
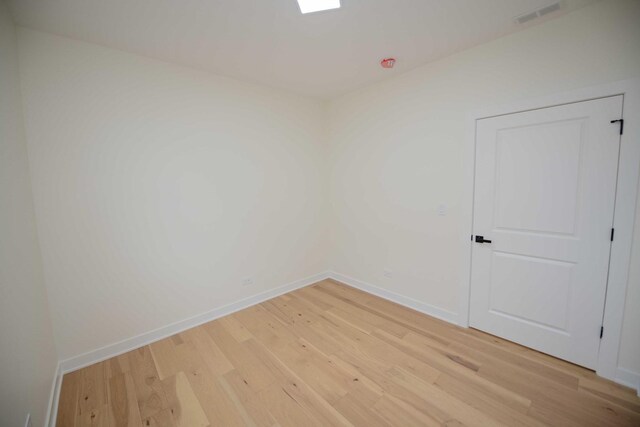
<point>544,197</point>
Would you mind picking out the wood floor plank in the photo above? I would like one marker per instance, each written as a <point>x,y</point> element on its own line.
<point>248,365</point>
<point>609,390</point>
<point>314,371</point>
<point>149,391</point>
<point>252,411</point>
<point>236,328</point>
<point>217,403</point>
<point>491,353</point>
<point>449,363</point>
<point>69,399</point>
<point>293,311</point>
<point>212,356</point>
<point>122,402</point>
<point>118,365</point>
<point>303,330</point>
<point>554,400</point>
<point>359,413</point>
<point>185,406</point>
<point>478,398</point>
<point>162,418</point>
<point>93,404</point>
<point>365,319</point>
<point>398,413</point>
<point>285,409</point>
<point>165,358</point>
<point>380,375</point>
<point>332,355</point>
<point>457,409</point>
<point>265,327</point>
<point>302,392</point>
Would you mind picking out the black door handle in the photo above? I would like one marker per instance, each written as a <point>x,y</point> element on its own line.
<point>481,239</point>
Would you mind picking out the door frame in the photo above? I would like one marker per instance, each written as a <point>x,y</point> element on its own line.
<point>624,214</point>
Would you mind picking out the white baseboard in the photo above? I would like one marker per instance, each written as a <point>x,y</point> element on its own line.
<point>428,309</point>
<point>54,397</point>
<point>115,349</point>
<point>628,378</point>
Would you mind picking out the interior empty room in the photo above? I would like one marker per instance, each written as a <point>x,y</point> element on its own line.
<point>288,213</point>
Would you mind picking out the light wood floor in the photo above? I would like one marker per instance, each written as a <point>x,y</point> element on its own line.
<point>331,355</point>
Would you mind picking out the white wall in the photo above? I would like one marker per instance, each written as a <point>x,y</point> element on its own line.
<point>397,151</point>
<point>159,188</point>
<point>27,353</point>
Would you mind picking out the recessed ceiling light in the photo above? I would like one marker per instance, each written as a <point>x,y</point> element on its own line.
<point>309,6</point>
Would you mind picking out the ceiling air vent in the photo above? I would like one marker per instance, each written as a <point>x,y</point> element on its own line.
<point>530,16</point>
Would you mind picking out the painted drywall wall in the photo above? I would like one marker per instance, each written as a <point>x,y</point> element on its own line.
<point>629,358</point>
<point>159,189</point>
<point>28,357</point>
<point>397,150</point>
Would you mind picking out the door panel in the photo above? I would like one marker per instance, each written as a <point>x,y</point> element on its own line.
<point>549,204</point>
<point>544,195</point>
<point>520,287</point>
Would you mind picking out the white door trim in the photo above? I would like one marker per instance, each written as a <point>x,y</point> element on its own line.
<point>624,216</point>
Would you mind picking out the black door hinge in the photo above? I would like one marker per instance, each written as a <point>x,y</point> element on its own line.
<point>621,121</point>
<point>613,230</point>
<point>601,331</point>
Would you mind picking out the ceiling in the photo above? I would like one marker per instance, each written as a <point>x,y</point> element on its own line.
<point>323,54</point>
